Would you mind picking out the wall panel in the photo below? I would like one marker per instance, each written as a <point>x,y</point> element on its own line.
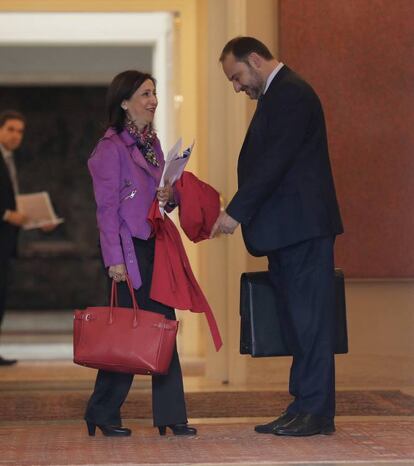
<point>359,56</point>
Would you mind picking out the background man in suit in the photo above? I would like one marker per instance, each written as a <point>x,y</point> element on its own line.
<point>286,205</point>
<point>12,126</point>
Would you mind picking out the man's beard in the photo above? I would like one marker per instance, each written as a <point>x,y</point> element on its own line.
<point>256,86</point>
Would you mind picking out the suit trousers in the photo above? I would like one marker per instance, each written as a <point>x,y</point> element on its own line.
<point>4,282</point>
<point>111,388</point>
<point>303,277</point>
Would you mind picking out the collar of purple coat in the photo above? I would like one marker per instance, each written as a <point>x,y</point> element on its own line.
<point>124,135</point>
<point>125,139</point>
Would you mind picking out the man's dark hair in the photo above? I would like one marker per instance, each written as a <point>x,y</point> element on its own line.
<point>122,88</point>
<point>7,115</point>
<point>241,47</point>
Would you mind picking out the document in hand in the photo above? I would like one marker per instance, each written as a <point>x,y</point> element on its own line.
<point>39,210</point>
<point>175,163</point>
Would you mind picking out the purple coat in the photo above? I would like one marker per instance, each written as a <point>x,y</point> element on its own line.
<point>125,186</point>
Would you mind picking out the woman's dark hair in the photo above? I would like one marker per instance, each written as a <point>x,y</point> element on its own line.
<point>122,88</point>
<point>241,47</point>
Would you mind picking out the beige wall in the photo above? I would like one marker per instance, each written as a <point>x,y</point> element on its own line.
<point>224,118</point>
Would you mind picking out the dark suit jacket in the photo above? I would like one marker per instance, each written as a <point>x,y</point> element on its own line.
<point>286,191</point>
<point>8,233</point>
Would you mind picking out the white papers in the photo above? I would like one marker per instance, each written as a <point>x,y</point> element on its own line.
<point>38,208</point>
<point>174,165</point>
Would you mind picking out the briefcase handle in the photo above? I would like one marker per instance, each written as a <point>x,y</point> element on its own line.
<point>114,301</point>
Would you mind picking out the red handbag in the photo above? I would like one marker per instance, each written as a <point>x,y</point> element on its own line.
<point>120,339</point>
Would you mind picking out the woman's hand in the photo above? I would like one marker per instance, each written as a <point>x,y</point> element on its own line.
<point>117,272</point>
<point>165,194</point>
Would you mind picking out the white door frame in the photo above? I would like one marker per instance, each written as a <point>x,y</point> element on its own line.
<point>69,29</point>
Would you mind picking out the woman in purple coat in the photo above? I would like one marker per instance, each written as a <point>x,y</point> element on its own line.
<point>126,167</point>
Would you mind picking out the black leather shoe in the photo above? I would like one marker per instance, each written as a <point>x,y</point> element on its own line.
<point>178,429</point>
<point>279,422</point>
<point>7,362</point>
<point>304,425</point>
<point>108,431</point>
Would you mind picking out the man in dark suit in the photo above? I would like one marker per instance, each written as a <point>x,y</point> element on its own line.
<point>288,211</point>
<point>12,126</point>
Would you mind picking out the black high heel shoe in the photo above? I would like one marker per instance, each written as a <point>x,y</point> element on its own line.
<point>108,431</point>
<point>178,429</point>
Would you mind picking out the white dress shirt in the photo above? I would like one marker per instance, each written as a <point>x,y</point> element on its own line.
<point>272,75</point>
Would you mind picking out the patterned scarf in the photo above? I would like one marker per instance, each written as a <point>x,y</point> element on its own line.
<point>145,141</point>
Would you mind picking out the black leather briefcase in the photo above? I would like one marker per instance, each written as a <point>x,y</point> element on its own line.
<point>261,333</point>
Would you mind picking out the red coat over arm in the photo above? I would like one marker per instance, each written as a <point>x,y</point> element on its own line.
<point>173,281</point>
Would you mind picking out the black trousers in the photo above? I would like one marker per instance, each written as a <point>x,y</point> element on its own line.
<point>4,282</point>
<point>111,388</point>
<point>303,277</point>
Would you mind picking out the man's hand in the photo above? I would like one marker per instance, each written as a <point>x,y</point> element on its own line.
<point>18,219</point>
<point>117,272</point>
<point>224,224</point>
<point>165,194</point>
<point>48,228</point>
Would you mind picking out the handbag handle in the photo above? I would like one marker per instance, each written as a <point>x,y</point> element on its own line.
<point>114,301</point>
